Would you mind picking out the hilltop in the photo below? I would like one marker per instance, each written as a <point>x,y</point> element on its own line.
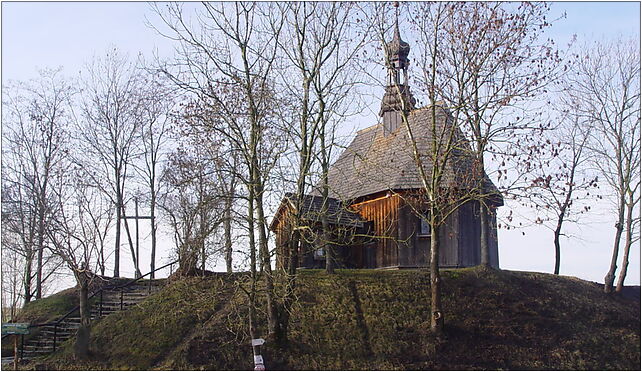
<point>369,319</point>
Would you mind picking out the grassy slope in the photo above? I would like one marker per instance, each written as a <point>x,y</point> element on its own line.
<point>49,308</point>
<point>44,310</point>
<point>378,320</point>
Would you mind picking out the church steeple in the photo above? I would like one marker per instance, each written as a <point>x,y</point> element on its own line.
<point>397,96</point>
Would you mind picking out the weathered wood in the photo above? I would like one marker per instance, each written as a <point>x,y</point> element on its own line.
<point>390,238</point>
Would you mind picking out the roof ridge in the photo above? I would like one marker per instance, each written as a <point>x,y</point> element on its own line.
<point>366,129</point>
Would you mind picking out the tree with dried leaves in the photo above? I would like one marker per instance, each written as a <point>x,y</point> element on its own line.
<point>494,63</point>
<point>564,180</point>
<point>193,207</point>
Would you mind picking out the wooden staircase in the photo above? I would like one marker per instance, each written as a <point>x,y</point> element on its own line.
<point>48,337</point>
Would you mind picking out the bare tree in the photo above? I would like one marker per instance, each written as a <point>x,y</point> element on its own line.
<point>322,49</point>
<point>564,180</point>
<point>230,49</point>
<point>605,86</point>
<point>110,127</point>
<point>156,104</point>
<point>193,206</point>
<point>36,118</point>
<point>495,61</point>
<point>432,133</point>
<point>317,51</point>
<point>76,240</point>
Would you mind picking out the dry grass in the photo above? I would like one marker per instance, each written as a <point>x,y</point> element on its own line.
<point>375,320</point>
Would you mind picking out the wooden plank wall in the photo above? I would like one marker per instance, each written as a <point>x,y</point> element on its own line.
<point>469,226</point>
<point>384,211</point>
<point>414,250</point>
<point>395,226</point>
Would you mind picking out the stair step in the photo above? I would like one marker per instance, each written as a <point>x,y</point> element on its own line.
<point>138,292</point>
<point>41,344</point>
<point>57,333</point>
<point>117,303</point>
<point>36,348</point>
<point>111,303</point>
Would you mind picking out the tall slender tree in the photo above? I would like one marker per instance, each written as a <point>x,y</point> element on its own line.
<point>37,119</point>
<point>109,126</point>
<point>75,239</point>
<point>605,87</point>
<point>564,180</point>
<point>229,49</point>
<point>156,105</point>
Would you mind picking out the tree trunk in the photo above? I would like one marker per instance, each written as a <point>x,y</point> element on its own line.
<point>152,264</point>
<point>610,276</point>
<point>256,350</point>
<point>101,258</point>
<point>201,223</point>
<point>437,315</point>
<point>81,347</point>
<point>293,249</point>
<point>483,223</point>
<point>628,238</point>
<point>227,227</point>
<point>251,229</point>
<point>41,230</point>
<point>274,328</point>
<point>556,240</point>
<point>27,280</point>
<point>329,250</point>
<point>40,248</point>
<point>117,242</point>
<point>327,244</point>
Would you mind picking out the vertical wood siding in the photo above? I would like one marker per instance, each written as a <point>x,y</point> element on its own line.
<point>394,227</point>
<point>384,212</point>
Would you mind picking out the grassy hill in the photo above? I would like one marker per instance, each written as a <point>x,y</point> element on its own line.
<point>366,319</point>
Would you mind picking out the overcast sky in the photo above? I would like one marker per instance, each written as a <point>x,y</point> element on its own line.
<point>37,35</point>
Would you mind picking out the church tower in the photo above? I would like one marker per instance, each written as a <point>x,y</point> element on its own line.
<point>397,96</point>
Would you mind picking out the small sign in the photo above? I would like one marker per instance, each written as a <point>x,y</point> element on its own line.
<point>258,359</point>
<point>15,329</point>
<point>257,341</point>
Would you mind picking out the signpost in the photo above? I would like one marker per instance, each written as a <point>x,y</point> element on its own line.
<point>258,359</point>
<point>15,329</point>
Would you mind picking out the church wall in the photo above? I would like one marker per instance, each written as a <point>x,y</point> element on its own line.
<point>469,226</point>
<point>393,238</point>
<point>449,239</point>
<point>383,211</point>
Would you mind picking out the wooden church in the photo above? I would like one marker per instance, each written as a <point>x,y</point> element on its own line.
<point>374,184</point>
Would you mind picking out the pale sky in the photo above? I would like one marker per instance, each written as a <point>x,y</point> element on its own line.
<point>50,34</point>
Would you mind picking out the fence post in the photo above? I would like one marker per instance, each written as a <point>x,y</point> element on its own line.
<point>149,287</point>
<point>55,336</point>
<point>121,298</point>
<point>22,346</point>
<point>100,305</point>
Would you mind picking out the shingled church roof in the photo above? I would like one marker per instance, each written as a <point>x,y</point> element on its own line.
<point>376,162</point>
